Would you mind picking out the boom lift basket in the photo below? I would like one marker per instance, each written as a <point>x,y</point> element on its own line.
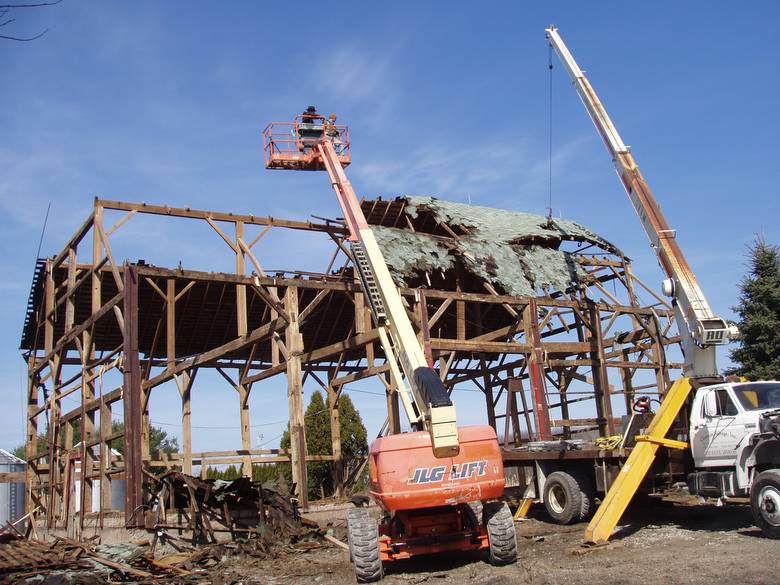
<point>290,145</point>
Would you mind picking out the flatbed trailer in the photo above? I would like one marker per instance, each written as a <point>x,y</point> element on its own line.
<point>569,477</point>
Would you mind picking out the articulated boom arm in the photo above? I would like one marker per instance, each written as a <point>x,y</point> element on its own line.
<point>700,329</point>
<point>431,407</point>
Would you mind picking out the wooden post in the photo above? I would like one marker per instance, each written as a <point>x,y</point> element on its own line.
<point>272,340</point>
<point>48,337</point>
<point>146,425</point>
<point>563,387</point>
<point>599,369</point>
<point>55,487</point>
<point>526,410</point>
<point>421,311</point>
<point>241,310</point>
<point>627,378</point>
<point>133,402</point>
<point>460,306</point>
<point>393,414</point>
<point>513,387</point>
<point>294,345</point>
<point>184,383</point>
<point>170,322</point>
<point>246,433</point>
<point>488,385</point>
<point>335,440</point>
<point>536,371</point>
<point>70,303</point>
<point>105,457</point>
<point>31,447</point>
<point>87,461</point>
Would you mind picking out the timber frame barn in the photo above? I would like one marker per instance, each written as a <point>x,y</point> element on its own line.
<point>538,360</point>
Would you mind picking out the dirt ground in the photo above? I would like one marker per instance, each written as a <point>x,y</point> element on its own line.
<point>667,543</point>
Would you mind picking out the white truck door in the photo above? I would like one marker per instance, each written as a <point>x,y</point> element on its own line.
<point>716,429</point>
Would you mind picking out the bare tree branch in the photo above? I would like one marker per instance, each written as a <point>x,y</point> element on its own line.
<point>6,8</point>
<point>30,5</point>
<point>24,40</point>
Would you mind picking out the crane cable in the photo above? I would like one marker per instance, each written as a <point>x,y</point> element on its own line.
<point>549,132</point>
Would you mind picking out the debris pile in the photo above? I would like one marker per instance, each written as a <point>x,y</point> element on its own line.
<point>242,508</point>
<point>64,561</point>
<point>219,519</point>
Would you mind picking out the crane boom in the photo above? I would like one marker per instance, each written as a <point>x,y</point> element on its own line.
<point>700,329</point>
<point>431,407</point>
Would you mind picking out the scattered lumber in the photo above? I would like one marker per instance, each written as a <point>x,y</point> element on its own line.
<point>224,518</point>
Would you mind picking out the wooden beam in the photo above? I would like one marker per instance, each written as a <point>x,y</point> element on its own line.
<point>74,240</point>
<point>77,331</point>
<point>549,347</point>
<point>206,357</point>
<point>319,354</point>
<point>219,216</point>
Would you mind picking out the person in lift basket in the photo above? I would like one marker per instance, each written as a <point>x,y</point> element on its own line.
<point>332,133</point>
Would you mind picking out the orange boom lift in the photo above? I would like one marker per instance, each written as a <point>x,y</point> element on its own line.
<point>431,482</point>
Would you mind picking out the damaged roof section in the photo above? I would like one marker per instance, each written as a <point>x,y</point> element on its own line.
<point>518,253</point>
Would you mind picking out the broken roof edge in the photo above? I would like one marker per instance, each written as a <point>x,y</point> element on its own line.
<point>502,225</point>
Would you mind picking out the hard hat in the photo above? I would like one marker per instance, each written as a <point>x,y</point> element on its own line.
<point>332,116</point>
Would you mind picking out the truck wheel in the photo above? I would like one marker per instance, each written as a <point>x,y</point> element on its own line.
<point>568,498</point>
<point>588,491</point>
<point>501,533</point>
<point>363,536</point>
<point>765,502</point>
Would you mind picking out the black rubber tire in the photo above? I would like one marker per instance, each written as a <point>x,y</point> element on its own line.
<point>501,533</point>
<point>474,513</point>
<point>588,491</point>
<point>765,502</point>
<point>363,537</point>
<point>566,497</point>
<point>355,513</point>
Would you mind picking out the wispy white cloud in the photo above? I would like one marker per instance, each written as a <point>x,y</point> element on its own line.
<point>361,79</point>
<point>479,171</point>
<point>351,73</point>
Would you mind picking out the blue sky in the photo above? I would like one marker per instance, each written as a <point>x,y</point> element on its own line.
<point>163,102</point>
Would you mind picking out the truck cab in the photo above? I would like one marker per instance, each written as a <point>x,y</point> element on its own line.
<point>735,444</point>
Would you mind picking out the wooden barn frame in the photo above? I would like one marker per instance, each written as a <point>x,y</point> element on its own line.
<point>91,313</point>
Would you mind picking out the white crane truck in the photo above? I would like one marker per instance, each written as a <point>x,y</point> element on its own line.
<point>733,428</point>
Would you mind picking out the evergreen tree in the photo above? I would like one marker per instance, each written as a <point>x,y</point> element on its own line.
<point>354,445</point>
<point>228,474</point>
<point>316,421</point>
<point>263,472</point>
<point>758,356</point>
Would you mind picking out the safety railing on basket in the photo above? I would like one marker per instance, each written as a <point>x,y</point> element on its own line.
<point>292,143</point>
